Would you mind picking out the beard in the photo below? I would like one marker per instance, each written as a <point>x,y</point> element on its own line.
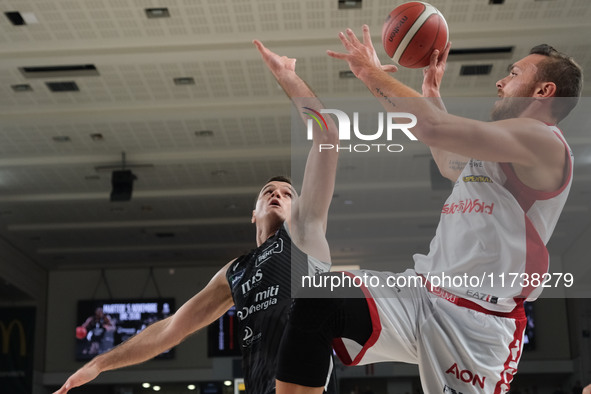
<point>512,107</point>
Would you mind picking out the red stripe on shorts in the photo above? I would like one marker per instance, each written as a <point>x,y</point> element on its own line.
<point>510,366</point>
<point>337,343</point>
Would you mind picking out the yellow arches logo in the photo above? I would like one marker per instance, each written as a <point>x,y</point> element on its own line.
<point>6,333</point>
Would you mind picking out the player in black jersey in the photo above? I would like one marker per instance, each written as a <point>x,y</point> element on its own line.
<point>258,283</point>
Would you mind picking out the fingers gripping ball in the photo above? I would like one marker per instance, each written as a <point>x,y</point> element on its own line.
<point>412,31</point>
<point>80,332</point>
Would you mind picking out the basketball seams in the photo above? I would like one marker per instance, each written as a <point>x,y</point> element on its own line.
<point>412,31</point>
<point>433,44</point>
<point>410,13</point>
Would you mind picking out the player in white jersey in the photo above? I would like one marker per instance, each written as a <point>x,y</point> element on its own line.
<point>510,188</point>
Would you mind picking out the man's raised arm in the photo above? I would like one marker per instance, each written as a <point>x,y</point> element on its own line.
<point>311,209</point>
<point>206,306</point>
<point>450,164</point>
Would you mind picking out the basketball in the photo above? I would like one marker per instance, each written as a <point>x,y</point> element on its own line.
<point>80,332</point>
<point>412,31</point>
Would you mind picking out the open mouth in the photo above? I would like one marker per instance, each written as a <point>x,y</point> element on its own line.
<point>274,202</point>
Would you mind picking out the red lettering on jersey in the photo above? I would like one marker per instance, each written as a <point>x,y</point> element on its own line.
<point>466,376</point>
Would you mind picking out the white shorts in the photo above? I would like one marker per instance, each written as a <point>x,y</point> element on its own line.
<point>459,346</point>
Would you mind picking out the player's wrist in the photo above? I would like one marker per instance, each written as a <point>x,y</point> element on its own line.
<point>371,75</point>
<point>430,91</point>
<point>98,364</point>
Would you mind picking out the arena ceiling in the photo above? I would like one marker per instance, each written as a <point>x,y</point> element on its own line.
<point>186,101</point>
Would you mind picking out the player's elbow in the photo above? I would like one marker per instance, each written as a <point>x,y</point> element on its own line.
<point>331,136</point>
<point>426,130</point>
<point>171,331</point>
<point>429,128</point>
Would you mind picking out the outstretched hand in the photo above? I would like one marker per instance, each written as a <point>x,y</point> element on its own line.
<point>80,377</point>
<point>361,56</point>
<point>277,64</point>
<point>433,74</point>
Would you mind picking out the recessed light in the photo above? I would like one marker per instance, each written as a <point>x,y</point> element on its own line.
<point>21,18</point>
<point>146,385</point>
<point>157,12</point>
<point>29,18</point>
<point>349,4</point>
<point>204,133</point>
<point>346,74</point>
<point>184,81</point>
<point>191,387</point>
<point>22,88</point>
<point>61,138</point>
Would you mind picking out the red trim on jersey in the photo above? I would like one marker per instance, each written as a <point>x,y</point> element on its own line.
<point>337,343</point>
<point>510,365</point>
<point>517,313</point>
<point>537,259</point>
<point>525,195</point>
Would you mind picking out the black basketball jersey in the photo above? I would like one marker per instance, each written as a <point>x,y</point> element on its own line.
<point>261,283</point>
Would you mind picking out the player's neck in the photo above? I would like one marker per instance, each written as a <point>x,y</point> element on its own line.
<point>540,111</point>
<point>266,231</point>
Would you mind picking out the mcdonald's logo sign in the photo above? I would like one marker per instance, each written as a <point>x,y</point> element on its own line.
<point>5,334</point>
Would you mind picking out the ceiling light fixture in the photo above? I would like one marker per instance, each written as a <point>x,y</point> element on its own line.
<point>349,4</point>
<point>204,133</point>
<point>184,81</point>
<point>22,88</point>
<point>153,13</point>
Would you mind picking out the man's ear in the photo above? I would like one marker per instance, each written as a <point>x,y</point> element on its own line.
<point>253,219</point>
<point>545,89</point>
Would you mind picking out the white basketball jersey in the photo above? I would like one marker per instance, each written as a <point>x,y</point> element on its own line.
<point>492,235</point>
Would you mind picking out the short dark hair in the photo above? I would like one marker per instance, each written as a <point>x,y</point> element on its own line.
<point>277,178</point>
<point>566,74</point>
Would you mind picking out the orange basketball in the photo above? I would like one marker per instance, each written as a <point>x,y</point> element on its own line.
<point>81,332</point>
<point>412,31</point>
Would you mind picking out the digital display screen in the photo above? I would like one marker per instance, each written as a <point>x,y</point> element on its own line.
<point>104,324</point>
<point>222,336</point>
